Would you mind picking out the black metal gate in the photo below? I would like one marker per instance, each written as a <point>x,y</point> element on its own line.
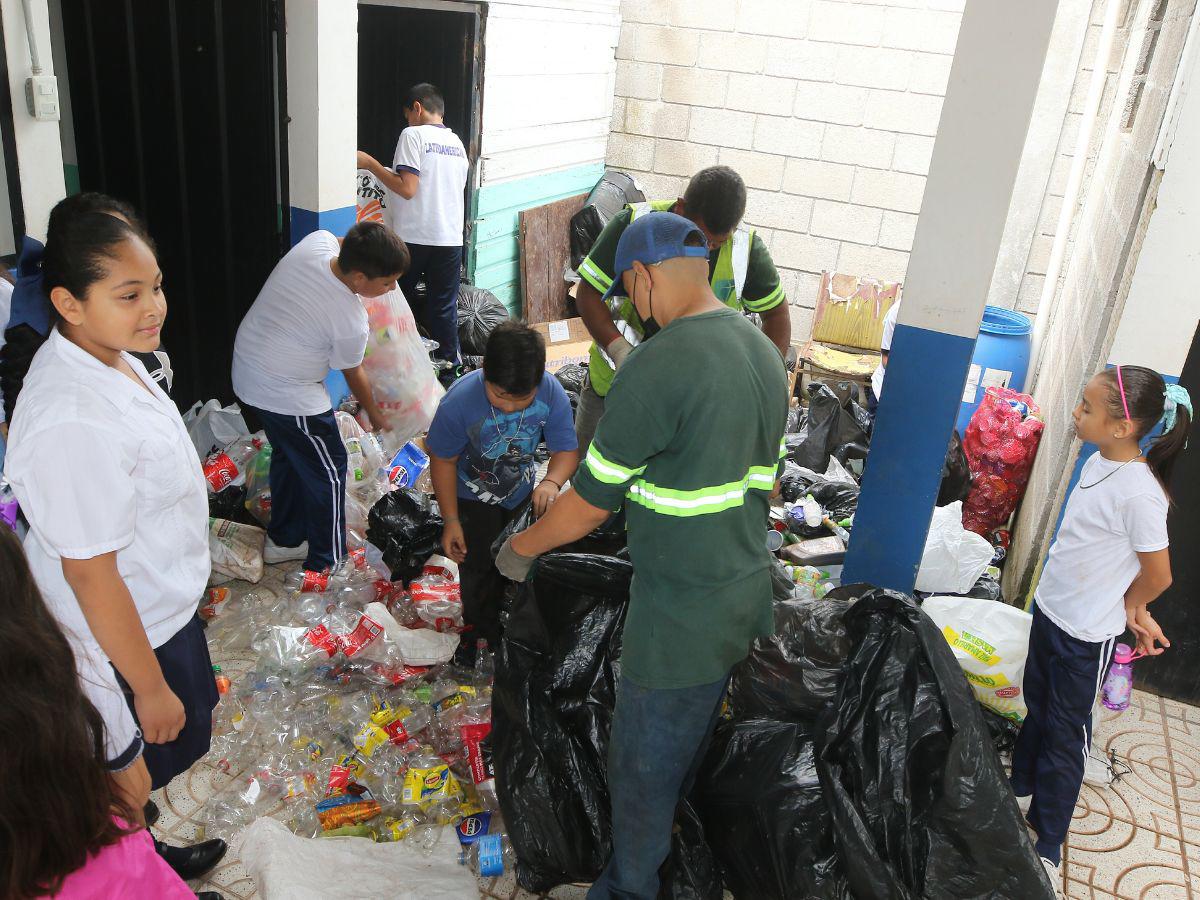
<point>1176,674</point>
<point>177,109</point>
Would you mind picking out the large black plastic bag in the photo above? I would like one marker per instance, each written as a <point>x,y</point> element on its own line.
<point>760,799</point>
<point>956,473</point>
<point>798,670</point>
<point>407,526</point>
<point>919,801</point>
<point>610,539</point>
<point>479,312</point>
<point>612,193</point>
<point>552,706</point>
<point>829,430</point>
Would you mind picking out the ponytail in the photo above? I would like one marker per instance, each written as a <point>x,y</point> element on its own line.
<point>1144,397</point>
<point>83,230</point>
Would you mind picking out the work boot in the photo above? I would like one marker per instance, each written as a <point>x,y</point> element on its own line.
<point>192,861</point>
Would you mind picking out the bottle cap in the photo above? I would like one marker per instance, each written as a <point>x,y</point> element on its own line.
<point>1123,654</point>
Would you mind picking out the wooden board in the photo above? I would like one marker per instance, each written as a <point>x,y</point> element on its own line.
<point>545,252</point>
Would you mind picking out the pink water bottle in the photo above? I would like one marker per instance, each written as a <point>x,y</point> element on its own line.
<point>1118,686</point>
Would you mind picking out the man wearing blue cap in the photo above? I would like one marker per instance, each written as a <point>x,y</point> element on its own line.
<point>691,437</point>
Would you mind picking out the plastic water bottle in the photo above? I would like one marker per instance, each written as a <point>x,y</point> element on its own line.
<point>491,854</point>
<point>485,665</point>
<point>1118,685</point>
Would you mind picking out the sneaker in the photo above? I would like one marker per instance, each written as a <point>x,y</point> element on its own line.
<point>1055,875</point>
<point>1023,803</point>
<point>273,553</point>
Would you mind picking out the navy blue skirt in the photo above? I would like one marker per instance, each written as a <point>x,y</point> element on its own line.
<point>187,668</point>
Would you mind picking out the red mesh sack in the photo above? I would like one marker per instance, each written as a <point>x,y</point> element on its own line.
<point>1001,444</point>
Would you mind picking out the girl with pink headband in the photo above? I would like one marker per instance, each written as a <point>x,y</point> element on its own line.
<point>1109,561</point>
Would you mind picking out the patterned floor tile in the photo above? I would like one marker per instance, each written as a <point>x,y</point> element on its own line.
<point>1127,860</point>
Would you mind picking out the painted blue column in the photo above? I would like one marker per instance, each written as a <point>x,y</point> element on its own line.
<point>306,221</point>
<point>993,84</point>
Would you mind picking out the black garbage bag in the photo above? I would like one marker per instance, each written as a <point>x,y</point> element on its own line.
<point>612,193</point>
<point>230,503</point>
<point>766,821</point>
<point>798,670</point>
<point>479,312</point>
<point>571,377</point>
<point>797,418</point>
<point>691,872</point>
<point>407,526</point>
<point>1003,730</point>
<point>956,473</point>
<point>919,801</point>
<point>552,705</point>
<point>838,498</point>
<point>831,430</point>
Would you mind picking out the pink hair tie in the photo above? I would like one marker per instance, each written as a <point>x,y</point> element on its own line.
<point>1124,402</point>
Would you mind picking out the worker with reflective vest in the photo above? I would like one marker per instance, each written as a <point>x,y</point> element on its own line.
<point>741,272</point>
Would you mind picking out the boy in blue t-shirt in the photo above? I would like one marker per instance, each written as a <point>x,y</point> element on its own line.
<point>481,447</point>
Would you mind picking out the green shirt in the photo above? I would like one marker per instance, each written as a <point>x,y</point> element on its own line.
<point>692,437</point>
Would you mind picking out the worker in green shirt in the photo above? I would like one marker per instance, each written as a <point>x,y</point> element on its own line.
<point>693,452</point>
<point>740,271</point>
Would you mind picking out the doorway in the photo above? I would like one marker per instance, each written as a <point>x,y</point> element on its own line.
<point>401,44</point>
<point>176,109</point>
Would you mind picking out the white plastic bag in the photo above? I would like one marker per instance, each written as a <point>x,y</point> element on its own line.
<point>990,640</point>
<point>237,551</point>
<point>212,426</point>
<point>954,558</point>
<point>416,646</point>
<point>398,368</point>
<point>287,867</point>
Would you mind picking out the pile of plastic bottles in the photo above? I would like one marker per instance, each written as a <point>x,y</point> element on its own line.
<point>341,727</point>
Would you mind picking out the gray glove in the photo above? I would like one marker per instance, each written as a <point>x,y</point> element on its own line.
<point>513,565</point>
<point>618,350</point>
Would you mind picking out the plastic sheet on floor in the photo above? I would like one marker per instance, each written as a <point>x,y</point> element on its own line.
<point>287,867</point>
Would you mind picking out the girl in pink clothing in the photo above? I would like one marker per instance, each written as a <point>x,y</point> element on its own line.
<point>65,827</point>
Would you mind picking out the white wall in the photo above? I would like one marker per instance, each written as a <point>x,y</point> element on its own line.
<point>549,75</point>
<point>1160,316</point>
<point>827,109</point>
<point>39,148</point>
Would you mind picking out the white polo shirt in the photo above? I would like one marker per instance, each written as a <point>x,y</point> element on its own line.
<point>303,323</point>
<point>100,464</point>
<point>434,216</point>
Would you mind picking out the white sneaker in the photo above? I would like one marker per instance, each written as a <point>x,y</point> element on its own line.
<point>273,553</point>
<point>1024,802</point>
<point>1055,876</point>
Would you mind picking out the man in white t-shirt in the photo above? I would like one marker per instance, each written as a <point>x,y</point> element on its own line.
<point>307,320</point>
<point>885,347</point>
<point>425,197</point>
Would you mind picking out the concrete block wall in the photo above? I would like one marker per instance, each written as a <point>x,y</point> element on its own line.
<point>827,108</point>
<point>1117,204</point>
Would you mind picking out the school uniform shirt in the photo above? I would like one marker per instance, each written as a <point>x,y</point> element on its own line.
<point>434,217</point>
<point>885,345</point>
<point>100,464</point>
<point>303,323</point>
<point>495,450</point>
<point>1113,514</point>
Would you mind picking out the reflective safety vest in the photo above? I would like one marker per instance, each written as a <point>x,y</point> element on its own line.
<point>728,283</point>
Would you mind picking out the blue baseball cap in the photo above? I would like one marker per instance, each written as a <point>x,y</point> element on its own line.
<point>651,239</point>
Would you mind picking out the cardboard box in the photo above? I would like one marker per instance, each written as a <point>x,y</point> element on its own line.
<point>567,342</point>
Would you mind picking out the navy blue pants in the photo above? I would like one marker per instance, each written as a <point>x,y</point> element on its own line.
<point>441,268</point>
<point>308,485</point>
<point>1063,676</point>
<point>659,738</point>
<point>187,669</point>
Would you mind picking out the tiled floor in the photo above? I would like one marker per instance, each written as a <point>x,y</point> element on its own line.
<point>1136,840</point>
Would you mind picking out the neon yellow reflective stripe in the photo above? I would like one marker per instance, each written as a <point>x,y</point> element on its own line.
<point>607,471</point>
<point>591,273</point>
<point>770,301</point>
<point>703,501</point>
<point>783,451</point>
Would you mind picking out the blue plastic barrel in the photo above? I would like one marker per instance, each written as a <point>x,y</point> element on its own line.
<point>1001,358</point>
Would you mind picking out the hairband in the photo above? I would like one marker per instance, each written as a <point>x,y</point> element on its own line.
<point>1175,396</point>
<point>1124,402</point>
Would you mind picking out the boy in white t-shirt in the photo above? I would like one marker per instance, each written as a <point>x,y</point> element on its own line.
<point>425,205</point>
<point>307,320</point>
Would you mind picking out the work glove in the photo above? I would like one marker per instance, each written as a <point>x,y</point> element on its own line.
<point>618,350</point>
<point>511,564</point>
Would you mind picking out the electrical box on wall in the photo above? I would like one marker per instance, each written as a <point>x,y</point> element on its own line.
<point>41,96</point>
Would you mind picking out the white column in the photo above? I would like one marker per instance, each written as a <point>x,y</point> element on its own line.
<point>39,149</point>
<point>322,98</point>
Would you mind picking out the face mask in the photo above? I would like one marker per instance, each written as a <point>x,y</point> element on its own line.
<point>649,325</point>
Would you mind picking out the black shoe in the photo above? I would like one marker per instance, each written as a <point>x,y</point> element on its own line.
<point>193,861</point>
<point>150,811</point>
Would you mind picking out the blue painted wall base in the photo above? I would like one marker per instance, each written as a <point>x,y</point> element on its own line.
<point>922,393</point>
<point>305,221</point>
